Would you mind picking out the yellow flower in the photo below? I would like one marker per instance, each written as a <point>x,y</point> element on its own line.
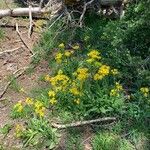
<point>144,89</point>
<point>77,101</point>
<point>58,57</point>
<point>60,72</point>
<point>51,93</point>
<point>29,101</point>
<point>18,130</point>
<point>118,86</point>
<point>40,111</point>
<point>68,53</point>
<point>104,70</point>
<point>145,94</point>
<point>82,73</point>
<point>58,88</point>
<point>128,97</point>
<point>76,47</point>
<point>47,78</point>
<point>114,92</point>
<point>53,101</point>
<point>114,71</point>
<point>19,107</point>
<point>38,104</point>
<point>94,54</point>
<point>98,77</point>
<point>74,91</point>
<point>61,45</point>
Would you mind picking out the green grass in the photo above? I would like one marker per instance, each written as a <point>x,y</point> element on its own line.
<point>4,5</point>
<point>110,141</point>
<point>74,139</point>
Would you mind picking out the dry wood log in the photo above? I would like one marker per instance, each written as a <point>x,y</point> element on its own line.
<point>81,123</point>
<point>21,12</point>
<point>37,11</point>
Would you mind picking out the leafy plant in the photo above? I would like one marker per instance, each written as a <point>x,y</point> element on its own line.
<point>40,134</point>
<point>5,129</point>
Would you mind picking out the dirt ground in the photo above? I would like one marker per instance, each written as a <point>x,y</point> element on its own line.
<point>10,62</point>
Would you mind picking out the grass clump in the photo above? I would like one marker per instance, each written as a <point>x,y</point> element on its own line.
<point>110,141</point>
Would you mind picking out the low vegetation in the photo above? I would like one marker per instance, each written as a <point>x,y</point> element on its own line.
<point>97,71</point>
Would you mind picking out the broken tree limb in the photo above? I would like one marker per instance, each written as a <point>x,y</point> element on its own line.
<point>17,30</point>
<point>50,7</point>
<point>12,50</point>
<point>31,22</point>
<point>21,12</point>
<point>81,123</point>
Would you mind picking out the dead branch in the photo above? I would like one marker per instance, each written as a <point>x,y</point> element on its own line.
<point>84,11</point>
<point>81,123</point>
<point>21,12</point>
<point>31,21</point>
<point>17,30</point>
<point>16,75</point>
<point>12,50</point>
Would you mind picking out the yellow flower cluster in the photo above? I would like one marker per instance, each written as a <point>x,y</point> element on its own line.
<point>102,72</point>
<point>29,101</point>
<point>58,57</point>
<point>76,47</point>
<point>19,107</point>
<point>145,91</point>
<point>39,108</point>
<point>75,91</point>
<point>47,78</point>
<point>116,90</point>
<point>114,71</point>
<point>93,55</point>
<point>52,95</point>
<point>82,74</point>
<point>59,81</point>
<point>77,101</point>
<point>62,46</point>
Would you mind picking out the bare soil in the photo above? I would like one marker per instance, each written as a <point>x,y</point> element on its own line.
<point>11,62</point>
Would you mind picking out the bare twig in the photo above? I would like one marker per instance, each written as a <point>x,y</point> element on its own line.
<point>55,21</point>
<point>41,3</point>
<point>81,123</point>
<point>31,22</point>
<point>17,29</point>
<point>16,75</point>
<point>10,51</point>
<point>84,11</point>
<point>7,5</point>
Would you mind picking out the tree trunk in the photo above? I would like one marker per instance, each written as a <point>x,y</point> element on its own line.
<point>21,12</point>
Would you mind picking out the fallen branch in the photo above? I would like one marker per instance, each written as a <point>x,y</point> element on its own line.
<point>17,30</point>
<point>21,12</point>
<point>10,51</point>
<point>16,75</point>
<point>84,11</point>
<point>31,21</point>
<point>81,123</point>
